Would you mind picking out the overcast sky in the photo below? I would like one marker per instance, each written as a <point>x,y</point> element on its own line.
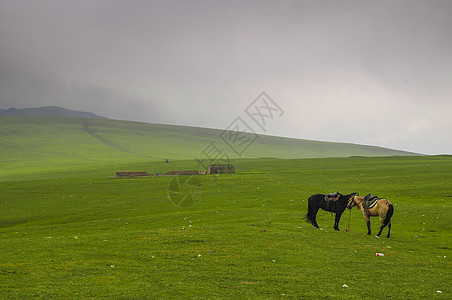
<point>367,72</point>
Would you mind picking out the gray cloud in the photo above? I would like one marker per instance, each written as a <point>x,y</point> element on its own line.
<point>383,68</point>
<point>22,90</point>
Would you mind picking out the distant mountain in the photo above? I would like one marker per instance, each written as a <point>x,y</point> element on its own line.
<point>47,111</point>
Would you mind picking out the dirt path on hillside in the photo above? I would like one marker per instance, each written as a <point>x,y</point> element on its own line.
<point>106,142</point>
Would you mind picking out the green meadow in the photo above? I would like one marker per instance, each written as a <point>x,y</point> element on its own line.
<point>39,146</point>
<point>68,230</point>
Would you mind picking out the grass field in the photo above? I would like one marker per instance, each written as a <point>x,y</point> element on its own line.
<point>66,234</point>
<point>43,147</point>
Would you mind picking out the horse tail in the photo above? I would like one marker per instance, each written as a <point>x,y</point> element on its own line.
<point>389,214</point>
<point>310,213</point>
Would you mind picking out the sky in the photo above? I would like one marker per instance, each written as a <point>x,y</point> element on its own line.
<point>366,72</point>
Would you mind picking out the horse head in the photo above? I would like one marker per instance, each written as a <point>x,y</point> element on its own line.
<point>351,200</point>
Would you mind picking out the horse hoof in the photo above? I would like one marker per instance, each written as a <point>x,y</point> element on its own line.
<point>377,236</point>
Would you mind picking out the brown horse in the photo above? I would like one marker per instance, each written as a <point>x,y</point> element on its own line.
<point>383,209</point>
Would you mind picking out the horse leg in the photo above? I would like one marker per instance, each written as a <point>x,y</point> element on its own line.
<point>314,217</point>
<point>389,229</point>
<point>382,226</point>
<point>388,216</point>
<point>367,218</point>
<point>386,220</point>
<point>379,232</point>
<point>311,214</point>
<point>336,221</point>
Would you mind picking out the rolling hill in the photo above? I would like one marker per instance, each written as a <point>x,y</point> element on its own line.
<point>39,144</point>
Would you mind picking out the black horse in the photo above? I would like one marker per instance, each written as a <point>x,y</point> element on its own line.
<point>317,201</point>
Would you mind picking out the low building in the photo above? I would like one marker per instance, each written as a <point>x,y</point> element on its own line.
<point>220,169</point>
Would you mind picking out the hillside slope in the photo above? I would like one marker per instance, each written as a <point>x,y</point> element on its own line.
<point>39,143</point>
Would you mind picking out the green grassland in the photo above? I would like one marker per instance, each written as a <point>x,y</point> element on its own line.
<point>39,145</point>
<point>83,237</point>
<point>69,231</point>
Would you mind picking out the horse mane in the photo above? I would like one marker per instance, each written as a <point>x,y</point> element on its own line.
<point>344,198</point>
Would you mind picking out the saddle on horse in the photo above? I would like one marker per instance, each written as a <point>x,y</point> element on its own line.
<point>332,196</point>
<point>369,201</point>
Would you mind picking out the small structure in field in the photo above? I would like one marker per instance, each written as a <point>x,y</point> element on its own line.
<point>190,172</point>
<point>145,174</point>
<point>220,169</point>
<point>131,174</point>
